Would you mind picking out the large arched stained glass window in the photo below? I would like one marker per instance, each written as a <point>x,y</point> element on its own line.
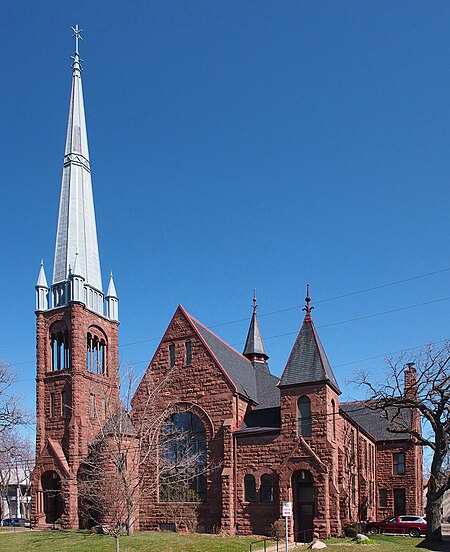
<point>182,459</point>
<point>304,417</point>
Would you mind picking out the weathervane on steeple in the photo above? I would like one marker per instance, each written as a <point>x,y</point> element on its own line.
<point>307,308</point>
<point>76,57</point>
<point>255,306</point>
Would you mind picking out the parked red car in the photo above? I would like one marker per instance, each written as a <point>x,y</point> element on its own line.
<point>413,525</point>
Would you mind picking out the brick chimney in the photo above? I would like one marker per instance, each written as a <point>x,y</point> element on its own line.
<point>410,381</point>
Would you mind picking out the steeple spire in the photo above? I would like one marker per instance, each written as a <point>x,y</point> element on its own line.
<point>254,348</point>
<point>76,238</point>
<point>308,362</point>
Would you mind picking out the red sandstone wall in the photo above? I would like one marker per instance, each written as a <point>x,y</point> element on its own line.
<point>204,390</point>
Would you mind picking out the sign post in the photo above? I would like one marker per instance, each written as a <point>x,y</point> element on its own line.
<point>287,513</point>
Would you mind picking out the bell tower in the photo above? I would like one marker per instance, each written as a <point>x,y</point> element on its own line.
<point>76,333</point>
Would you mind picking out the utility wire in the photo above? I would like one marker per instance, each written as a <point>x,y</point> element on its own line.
<point>381,286</point>
<point>372,315</point>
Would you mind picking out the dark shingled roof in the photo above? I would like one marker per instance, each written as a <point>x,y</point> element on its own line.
<point>374,422</point>
<point>254,343</point>
<point>308,362</point>
<point>261,419</point>
<point>266,386</point>
<point>239,369</point>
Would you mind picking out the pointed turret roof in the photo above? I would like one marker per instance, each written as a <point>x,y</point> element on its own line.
<point>111,287</point>
<point>308,362</point>
<point>76,220</point>
<point>254,345</point>
<point>42,280</point>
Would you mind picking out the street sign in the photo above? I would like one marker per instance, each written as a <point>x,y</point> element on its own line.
<point>287,509</point>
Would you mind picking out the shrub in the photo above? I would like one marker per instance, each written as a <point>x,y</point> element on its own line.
<point>278,529</point>
<point>350,528</point>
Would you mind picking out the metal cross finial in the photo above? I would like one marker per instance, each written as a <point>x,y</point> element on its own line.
<point>307,308</point>
<point>77,34</point>
<point>255,306</point>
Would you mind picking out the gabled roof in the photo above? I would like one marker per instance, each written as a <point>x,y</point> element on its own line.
<point>239,369</point>
<point>374,422</point>
<point>308,362</point>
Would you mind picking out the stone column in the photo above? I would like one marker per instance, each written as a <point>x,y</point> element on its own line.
<point>70,494</point>
<point>227,524</point>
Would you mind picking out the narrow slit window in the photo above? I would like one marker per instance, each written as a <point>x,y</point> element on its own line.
<point>333,415</point>
<point>52,405</point>
<point>65,404</point>
<point>188,353</point>
<point>172,355</point>
<point>399,463</point>
<point>92,411</point>
<point>249,488</point>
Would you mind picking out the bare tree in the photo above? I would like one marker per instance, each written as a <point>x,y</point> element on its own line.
<point>16,463</point>
<point>11,412</point>
<point>124,454</point>
<point>428,392</point>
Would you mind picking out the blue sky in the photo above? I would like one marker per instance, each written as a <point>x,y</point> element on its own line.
<point>237,145</point>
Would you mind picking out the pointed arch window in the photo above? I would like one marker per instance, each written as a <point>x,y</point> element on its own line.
<point>60,350</point>
<point>96,354</point>
<point>304,416</point>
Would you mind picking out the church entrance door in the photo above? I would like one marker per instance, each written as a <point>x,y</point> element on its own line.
<point>53,500</point>
<point>304,506</point>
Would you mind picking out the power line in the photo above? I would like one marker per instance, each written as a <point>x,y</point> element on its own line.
<point>381,286</point>
<point>364,317</point>
<point>352,293</point>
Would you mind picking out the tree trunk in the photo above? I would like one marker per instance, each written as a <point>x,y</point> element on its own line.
<point>116,538</point>
<point>130,524</point>
<point>433,513</point>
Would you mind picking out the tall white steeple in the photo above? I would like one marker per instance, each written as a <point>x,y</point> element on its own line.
<point>76,238</point>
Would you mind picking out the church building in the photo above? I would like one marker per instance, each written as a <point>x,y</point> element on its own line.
<point>260,439</point>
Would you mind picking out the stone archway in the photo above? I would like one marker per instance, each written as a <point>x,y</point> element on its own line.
<point>304,505</point>
<point>53,499</point>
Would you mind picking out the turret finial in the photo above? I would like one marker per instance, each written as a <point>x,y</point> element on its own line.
<point>307,308</point>
<point>255,306</point>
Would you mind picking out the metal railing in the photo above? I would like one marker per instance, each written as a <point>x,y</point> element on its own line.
<point>264,541</point>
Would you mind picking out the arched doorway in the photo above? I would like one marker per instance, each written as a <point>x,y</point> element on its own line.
<point>304,506</point>
<point>53,500</point>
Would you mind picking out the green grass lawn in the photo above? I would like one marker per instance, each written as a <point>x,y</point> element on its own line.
<point>79,541</point>
<point>383,543</point>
